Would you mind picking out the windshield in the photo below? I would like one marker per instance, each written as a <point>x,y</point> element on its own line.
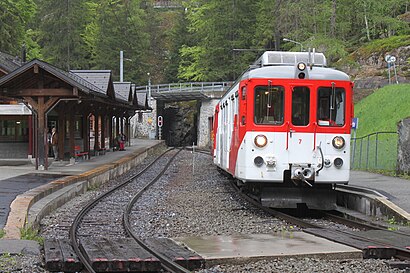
<point>269,104</point>
<point>331,106</point>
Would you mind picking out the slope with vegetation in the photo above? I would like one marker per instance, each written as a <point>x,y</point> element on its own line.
<point>382,110</point>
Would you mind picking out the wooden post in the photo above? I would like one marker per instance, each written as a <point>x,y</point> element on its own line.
<point>61,130</point>
<point>126,132</point>
<point>117,126</point>
<point>96,133</point>
<point>30,135</point>
<point>110,130</point>
<point>71,139</point>
<point>103,120</point>
<point>41,136</point>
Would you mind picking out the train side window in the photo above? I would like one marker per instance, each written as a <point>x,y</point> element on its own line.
<point>331,106</point>
<point>269,105</point>
<point>300,106</point>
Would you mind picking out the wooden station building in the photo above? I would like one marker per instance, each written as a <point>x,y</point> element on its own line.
<point>88,109</point>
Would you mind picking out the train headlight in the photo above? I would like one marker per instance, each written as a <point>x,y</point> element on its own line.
<point>260,141</point>
<point>301,66</point>
<point>338,142</point>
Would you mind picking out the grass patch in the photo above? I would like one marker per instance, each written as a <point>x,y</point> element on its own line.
<point>30,233</point>
<point>2,233</point>
<point>382,110</point>
<point>7,261</point>
<point>379,112</point>
<point>382,45</point>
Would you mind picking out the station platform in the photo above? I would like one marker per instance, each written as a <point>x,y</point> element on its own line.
<point>397,190</point>
<point>385,194</point>
<point>22,186</point>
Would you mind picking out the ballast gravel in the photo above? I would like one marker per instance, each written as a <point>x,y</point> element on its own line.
<point>194,199</point>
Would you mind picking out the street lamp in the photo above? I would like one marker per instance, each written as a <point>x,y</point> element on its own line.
<point>149,86</point>
<point>289,40</point>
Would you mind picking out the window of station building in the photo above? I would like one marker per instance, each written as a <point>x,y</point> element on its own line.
<point>331,106</point>
<point>78,128</point>
<point>14,129</point>
<point>300,105</point>
<point>269,105</point>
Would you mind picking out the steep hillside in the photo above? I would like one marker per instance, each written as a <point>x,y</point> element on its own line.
<point>382,110</point>
<point>367,65</point>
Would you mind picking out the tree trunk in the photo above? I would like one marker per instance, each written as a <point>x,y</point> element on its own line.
<point>333,20</point>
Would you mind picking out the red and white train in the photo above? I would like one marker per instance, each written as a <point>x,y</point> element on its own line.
<point>283,130</point>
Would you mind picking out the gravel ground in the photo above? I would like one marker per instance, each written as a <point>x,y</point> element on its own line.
<point>21,263</point>
<point>193,199</point>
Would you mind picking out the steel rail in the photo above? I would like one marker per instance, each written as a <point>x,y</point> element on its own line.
<point>168,264</point>
<point>276,213</point>
<point>92,203</point>
<point>400,252</point>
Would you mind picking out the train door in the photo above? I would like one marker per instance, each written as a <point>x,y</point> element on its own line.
<point>300,141</point>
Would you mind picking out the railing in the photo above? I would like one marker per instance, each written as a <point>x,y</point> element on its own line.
<point>186,87</point>
<point>376,151</point>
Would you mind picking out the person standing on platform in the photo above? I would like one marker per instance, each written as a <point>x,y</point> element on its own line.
<point>54,142</point>
<point>122,142</point>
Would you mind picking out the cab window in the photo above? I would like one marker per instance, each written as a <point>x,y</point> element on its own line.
<point>269,104</point>
<point>331,106</point>
<point>300,106</point>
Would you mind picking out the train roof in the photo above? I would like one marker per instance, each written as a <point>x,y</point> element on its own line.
<point>284,58</point>
<point>283,65</point>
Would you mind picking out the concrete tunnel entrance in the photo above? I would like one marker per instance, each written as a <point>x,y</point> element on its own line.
<point>180,127</point>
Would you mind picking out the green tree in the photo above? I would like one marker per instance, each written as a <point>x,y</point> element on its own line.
<point>14,16</point>
<point>63,25</point>
<point>121,26</point>
<point>217,28</point>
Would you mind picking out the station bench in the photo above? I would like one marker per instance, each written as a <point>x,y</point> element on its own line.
<point>100,151</point>
<point>78,153</point>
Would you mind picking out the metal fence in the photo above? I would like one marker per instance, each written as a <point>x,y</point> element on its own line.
<point>187,86</point>
<point>376,151</point>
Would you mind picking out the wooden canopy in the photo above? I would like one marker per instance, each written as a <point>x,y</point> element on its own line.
<point>43,87</point>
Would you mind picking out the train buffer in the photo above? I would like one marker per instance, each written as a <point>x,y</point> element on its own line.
<point>117,255</point>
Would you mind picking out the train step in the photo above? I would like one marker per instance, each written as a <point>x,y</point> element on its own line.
<point>117,255</point>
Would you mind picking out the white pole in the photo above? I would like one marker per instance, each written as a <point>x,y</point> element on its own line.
<point>395,73</point>
<point>149,88</point>
<point>193,158</point>
<point>121,66</point>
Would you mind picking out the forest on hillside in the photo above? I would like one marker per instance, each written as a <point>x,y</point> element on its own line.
<point>200,40</point>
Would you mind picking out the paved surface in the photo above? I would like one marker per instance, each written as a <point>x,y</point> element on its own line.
<point>397,190</point>
<point>257,246</point>
<point>15,247</point>
<point>13,186</point>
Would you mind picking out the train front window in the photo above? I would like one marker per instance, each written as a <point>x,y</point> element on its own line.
<point>300,106</point>
<point>269,104</point>
<point>331,106</point>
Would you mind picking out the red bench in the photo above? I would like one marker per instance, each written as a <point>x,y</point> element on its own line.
<point>79,153</point>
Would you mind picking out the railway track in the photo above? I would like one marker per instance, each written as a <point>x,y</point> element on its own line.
<point>375,241</point>
<point>102,210</point>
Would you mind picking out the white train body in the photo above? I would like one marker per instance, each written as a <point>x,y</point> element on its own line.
<point>286,123</point>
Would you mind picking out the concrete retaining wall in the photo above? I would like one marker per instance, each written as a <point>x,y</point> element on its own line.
<point>370,204</point>
<point>206,111</point>
<point>403,146</point>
